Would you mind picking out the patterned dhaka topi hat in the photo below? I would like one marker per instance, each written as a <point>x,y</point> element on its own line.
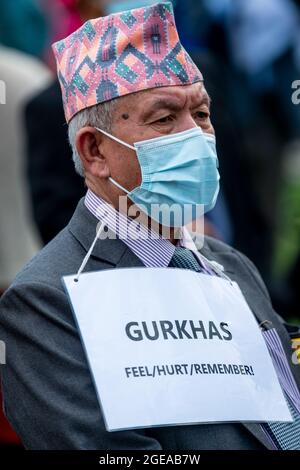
<point>120,54</point>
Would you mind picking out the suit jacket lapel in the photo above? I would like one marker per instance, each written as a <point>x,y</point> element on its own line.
<point>83,226</point>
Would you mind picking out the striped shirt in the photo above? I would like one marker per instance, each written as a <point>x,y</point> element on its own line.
<point>155,251</point>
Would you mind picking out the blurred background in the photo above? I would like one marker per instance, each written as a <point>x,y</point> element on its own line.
<point>249,54</point>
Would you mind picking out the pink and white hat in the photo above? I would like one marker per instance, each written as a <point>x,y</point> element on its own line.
<point>121,54</point>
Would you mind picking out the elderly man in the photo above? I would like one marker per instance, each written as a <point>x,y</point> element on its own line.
<point>139,124</point>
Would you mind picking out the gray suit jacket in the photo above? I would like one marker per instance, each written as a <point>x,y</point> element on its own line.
<point>49,396</point>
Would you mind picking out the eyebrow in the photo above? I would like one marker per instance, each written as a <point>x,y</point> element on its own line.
<point>172,105</point>
<point>161,104</point>
<point>205,100</point>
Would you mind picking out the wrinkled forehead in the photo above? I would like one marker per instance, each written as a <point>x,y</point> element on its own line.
<point>172,97</point>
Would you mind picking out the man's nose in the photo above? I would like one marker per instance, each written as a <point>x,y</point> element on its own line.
<point>188,123</point>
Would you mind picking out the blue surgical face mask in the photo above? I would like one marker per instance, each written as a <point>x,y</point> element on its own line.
<point>180,178</point>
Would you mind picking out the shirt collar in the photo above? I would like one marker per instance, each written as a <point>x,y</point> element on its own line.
<point>151,248</point>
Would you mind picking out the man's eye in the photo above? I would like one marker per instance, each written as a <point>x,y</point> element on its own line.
<point>202,115</point>
<point>164,120</point>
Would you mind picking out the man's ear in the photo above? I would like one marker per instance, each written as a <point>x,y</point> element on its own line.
<point>89,146</point>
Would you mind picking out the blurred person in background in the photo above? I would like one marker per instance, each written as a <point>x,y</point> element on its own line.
<point>23,26</point>
<point>263,38</point>
<point>22,76</point>
<point>288,240</point>
<point>23,35</point>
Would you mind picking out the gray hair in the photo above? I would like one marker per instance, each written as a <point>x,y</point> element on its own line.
<point>100,115</point>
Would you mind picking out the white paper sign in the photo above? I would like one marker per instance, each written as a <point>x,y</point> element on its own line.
<point>171,346</point>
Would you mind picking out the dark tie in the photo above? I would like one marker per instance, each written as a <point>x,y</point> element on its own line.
<point>184,258</point>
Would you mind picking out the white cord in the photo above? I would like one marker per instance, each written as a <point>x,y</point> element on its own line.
<point>217,265</point>
<point>116,139</point>
<point>218,269</point>
<point>87,256</point>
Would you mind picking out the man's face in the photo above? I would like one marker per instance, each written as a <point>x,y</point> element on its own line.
<point>141,116</point>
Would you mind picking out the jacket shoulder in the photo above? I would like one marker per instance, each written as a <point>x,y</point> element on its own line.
<point>60,257</point>
<point>229,257</point>
<point>217,246</point>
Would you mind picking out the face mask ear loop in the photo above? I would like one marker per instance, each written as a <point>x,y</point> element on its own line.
<point>87,257</point>
<point>116,139</point>
<point>118,185</point>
